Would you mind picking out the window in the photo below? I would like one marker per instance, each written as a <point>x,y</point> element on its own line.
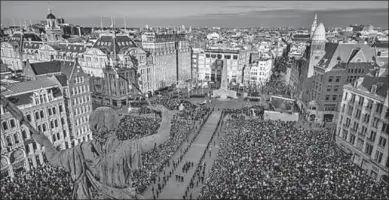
<point>336,88</point>
<point>378,156</point>
<point>382,142</point>
<point>368,149</point>
<point>356,125</point>
<point>369,104</point>
<point>64,134</point>
<point>348,121</point>
<point>350,110</point>
<point>345,133</point>
<point>56,123</point>
<point>54,111</point>
<point>62,121</point>
<point>49,110</point>
<point>334,97</point>
<point>42,115</point>
<point>352,98</point>
<point>363,130</point>
<point>44,127</point>
<point>337,79</point>
<point>330,78</point>
<point>60,108</point>
<point>360,143</point>
<point>343,107</point>
<point>24,134</point>
<point>9,141</point>
<point>361,100</point>
<point>375,122</point>
<point>378,108</point>
<point>329,87</point>
<point>372,136</point>
<point>29,117</point>
<point>352,139</point>
<point>358,114</point>
<point>12,122</point>
<point>51,124</point>
<point>327,97</point>
<point>345,96</point>
<point>385,128</point>
<point>28,149</point>
<point>16,137</point>
<point>366,118</point>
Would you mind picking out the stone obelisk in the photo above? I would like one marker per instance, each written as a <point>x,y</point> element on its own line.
<point>223,92</point>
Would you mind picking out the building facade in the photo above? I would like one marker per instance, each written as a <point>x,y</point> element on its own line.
<point>43,104</point>
<point>171,57</point>
<point>258,72</point>
<point>363,126</point>
<point>75,87</point>
<point>236,60</point>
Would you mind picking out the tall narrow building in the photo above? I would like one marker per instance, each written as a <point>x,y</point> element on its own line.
<point>314,25</point>
<point>318,43</point>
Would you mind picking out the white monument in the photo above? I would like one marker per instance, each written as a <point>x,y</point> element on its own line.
<point>182,107</point>
<point>223,92</point>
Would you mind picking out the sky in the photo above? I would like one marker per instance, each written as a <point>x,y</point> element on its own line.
<point>200,13</point>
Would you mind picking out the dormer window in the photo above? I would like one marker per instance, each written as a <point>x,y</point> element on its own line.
<point>373,89</point>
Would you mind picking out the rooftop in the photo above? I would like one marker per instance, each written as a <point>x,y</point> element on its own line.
<point>28,86</point>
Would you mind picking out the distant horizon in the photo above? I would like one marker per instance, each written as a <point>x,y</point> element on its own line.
<point>225,14</point>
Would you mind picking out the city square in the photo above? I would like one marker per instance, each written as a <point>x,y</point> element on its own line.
<point>196,111</point>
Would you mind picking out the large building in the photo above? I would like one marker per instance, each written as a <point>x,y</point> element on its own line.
<point>329,67</point>
<point>171,57</point>
<point>236,60</point>
<point>258,72</point>
<point>43,103</point>
<point>75,88</point>
<point>363,126</point>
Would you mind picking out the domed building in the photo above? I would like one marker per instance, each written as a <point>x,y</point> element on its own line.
<point>53,31</point>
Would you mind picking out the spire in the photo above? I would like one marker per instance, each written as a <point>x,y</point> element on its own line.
<point>314,25</point>
<point>48,8</point>
<point>101,23</point>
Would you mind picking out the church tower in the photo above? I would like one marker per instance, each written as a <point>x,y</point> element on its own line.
<point>53,31</point>
<point>318,43</point>
<point>314,25</point>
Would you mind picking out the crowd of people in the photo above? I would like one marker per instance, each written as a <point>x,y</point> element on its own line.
<point>48,182</point>
<point>154,161</point>
<point>277,160</point>
<point>134,127</point>
<point>43,182</point>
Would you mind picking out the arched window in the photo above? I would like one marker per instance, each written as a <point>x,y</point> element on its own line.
<point>24,134</point>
